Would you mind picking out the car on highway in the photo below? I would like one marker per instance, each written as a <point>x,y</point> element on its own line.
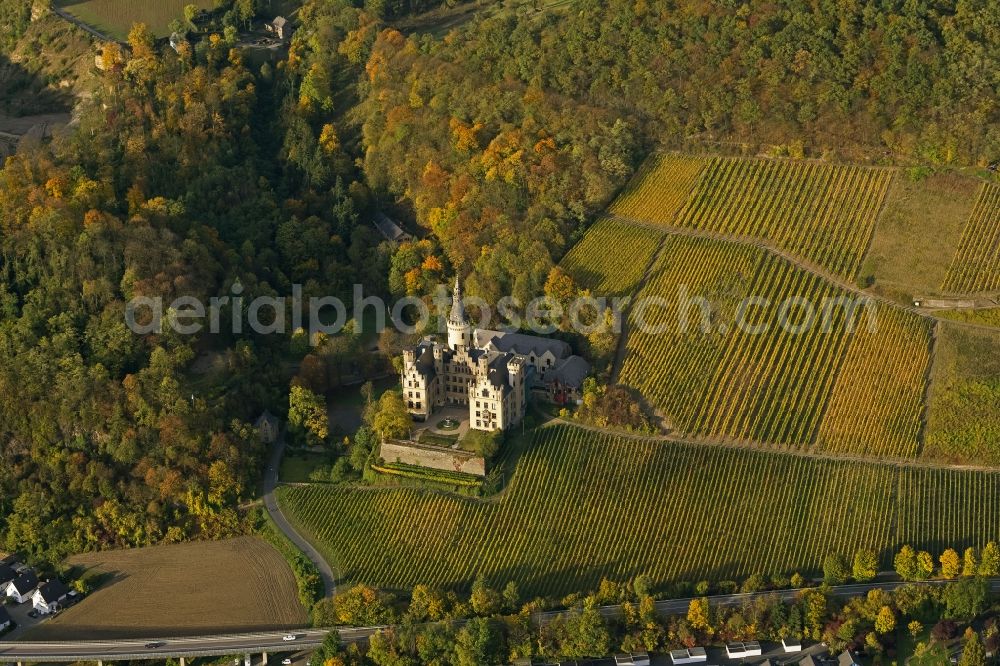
<point>286,662</point>
<point>154,644</point>
<point>289,637</point>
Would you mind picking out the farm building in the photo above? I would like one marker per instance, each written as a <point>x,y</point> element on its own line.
<point>21,588</point>
<point>791,645</point>
<point>48,597</point>
<point>280,26</point>
<point>695,655</point>
<point>5,620</point>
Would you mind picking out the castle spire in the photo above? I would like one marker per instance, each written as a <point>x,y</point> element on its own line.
<point>457,308</point>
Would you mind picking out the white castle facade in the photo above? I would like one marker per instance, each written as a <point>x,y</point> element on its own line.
<point>493,373</point>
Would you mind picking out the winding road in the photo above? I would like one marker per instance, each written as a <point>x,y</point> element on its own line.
<point>271,505</point>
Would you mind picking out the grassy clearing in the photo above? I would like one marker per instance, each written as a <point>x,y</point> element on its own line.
<point>611,257</point>
<point>917,234</point>
<point>296,466</point>
<point>985,317</point>
<point>583,505</point>
<point>963,416</point>
<point>115,17</point>
<point>186,589</point>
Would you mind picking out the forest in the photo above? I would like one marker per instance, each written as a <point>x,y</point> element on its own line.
<point>186,173</point>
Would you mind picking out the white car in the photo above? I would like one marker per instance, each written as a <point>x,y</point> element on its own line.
<point>289,637</point>
<point>286,662</point>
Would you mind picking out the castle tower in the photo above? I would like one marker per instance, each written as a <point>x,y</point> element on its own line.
<point>459,329</point>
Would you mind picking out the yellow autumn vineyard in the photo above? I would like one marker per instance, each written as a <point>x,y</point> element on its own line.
<point>612,257</point>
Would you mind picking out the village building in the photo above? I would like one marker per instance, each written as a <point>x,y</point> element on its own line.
<point>21,588</point>
<point>791,645</point>
<point>490,372</point>
<point>5,621</point>
<point>48,598</point>
<point>280,26</point>
<point>268,427</point>
<point>389,229</point>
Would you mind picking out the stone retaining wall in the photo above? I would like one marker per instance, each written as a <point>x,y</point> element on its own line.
<point>432,457</point>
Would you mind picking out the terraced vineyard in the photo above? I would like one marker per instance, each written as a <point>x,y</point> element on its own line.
<point>976,266</point>
<point>660,188</point>
<point>583,505</point>
<point>612,257</point>
<point>764,381</point>
<point>822,213</point>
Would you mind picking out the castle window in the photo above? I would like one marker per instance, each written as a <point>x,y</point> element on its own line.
<point>418,405</point>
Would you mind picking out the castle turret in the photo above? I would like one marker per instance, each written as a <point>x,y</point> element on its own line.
<point>459,329</point>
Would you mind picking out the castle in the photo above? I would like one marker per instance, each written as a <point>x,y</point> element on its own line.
<point>491,372</point>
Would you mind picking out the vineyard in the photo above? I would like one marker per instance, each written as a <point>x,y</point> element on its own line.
<point>116,17</point>
<point>876,407</point>
<point>583,505</point>
<point>766,382</point>
<point>660,188</point>
<point>612,257</point>
<point>976,266</point>
<point>822,213</point>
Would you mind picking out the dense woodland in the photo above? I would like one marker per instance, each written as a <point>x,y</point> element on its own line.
<point>189,172</point>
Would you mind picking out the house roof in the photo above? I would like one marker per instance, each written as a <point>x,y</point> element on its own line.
<point>266,418</point>
<point>497,374</point>
<point>569,371</point>
<point>389,229</point>
<point>425,360</point>
<point>520,343</point>
<point>6,574</point>
<point>53,590</point>
<point>846,659</point>
<point>4,615</point>
<point>807,661</point>
<point>25,583</point>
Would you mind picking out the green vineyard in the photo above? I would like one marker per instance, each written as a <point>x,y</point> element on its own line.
<point>976,266</point>
<point>583,505</point>
<point>821,213</point>
<point>612,257</point>
<point>854,387</point>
